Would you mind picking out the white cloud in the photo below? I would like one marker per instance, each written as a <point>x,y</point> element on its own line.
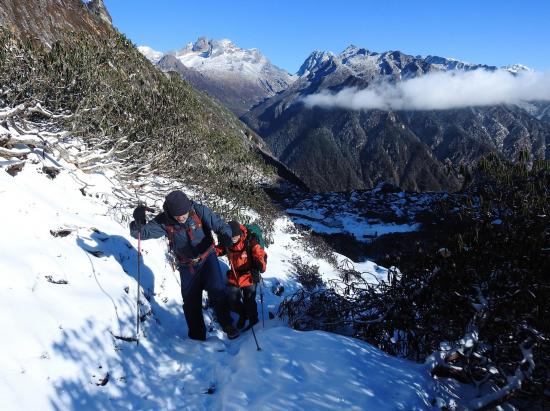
<point>441,91</point>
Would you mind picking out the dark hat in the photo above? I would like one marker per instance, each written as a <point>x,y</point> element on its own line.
<point>177,203</point>
<point>235,228</point>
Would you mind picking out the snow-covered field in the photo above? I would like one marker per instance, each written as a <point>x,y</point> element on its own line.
<point>64,299</point>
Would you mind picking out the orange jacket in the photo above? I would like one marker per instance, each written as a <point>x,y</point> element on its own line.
<point>241,262</point>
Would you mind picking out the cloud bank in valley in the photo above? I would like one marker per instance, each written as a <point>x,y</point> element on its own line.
<point>441,91</point>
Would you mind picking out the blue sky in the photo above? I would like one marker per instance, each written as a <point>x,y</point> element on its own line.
<point>483,31</point>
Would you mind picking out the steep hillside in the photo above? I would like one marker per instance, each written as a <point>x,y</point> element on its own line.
<point>43,19</point>
<point>114,98</point>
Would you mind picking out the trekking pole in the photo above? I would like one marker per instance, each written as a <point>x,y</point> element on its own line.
<point>242,297</point>
<point>262,300</point>
<point>138,286</point>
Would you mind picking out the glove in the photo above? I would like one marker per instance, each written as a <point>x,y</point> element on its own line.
<point>225,241</point>
<point>256,277</point>
<point>256,265</point>
<point>139,214</point>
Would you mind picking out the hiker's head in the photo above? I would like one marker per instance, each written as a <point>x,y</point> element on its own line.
<point>236,231</point>
<point>177,205</point>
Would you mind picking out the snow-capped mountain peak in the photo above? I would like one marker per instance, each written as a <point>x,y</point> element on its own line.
<point>314,61</point>
<point>238,77</point>
<point>153,55</point>
<point>369,65</point>
<point>516,68</point>
<point>202,44</point>
<point>449,63</point>
<point>207,55</point>
<point>353,50</point>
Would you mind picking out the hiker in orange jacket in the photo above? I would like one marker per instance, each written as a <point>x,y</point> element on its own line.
<point>247,260</point>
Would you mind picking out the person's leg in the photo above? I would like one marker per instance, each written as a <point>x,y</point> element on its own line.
<point>234,299</point>
<point>250,306</point>
<point>191,292</point>
<point>211,278</point>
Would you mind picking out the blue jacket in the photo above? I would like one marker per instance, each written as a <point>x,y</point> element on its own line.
<point>185,245</point>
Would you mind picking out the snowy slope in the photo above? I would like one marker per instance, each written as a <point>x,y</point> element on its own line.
<point>59,337</point>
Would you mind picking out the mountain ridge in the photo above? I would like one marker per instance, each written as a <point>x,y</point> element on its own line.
<point>341,149</point>
<point>240,78</point>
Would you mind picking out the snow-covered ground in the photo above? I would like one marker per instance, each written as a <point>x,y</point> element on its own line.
<point>350,223</point>
<point>364,215</point>
<point>64,299</point>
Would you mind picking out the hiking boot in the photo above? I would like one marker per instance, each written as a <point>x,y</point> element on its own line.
<point>251,323</point>
<point>241,321</point>
<point>197,337</point>
<point>231,332</point>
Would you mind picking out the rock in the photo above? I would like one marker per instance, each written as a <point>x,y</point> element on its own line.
<point>51,172</point>
<point>14,169</point>
<point>62,232</point>
<point>98,8</point>
<point>50,279</point>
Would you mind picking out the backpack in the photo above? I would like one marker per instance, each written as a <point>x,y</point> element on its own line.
<point>254,233</point>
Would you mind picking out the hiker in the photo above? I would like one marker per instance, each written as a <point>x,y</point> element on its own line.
<point>188,226</point>
<point>247,260</point>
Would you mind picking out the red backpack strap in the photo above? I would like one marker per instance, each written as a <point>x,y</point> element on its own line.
<point>170,230</point>
<point>198,224</point>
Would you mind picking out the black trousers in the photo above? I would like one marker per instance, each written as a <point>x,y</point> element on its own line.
<point>246,307</point>
<point>206,277</point>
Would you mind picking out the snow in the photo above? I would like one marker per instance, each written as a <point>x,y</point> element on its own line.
<point>59,345</point>
<point>151,54</point>
<point>218,58</point>
<point>349,223</point>
<point>224,56</point>
<point>517,68</point>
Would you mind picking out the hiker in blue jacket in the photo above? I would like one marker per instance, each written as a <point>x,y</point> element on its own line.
<point>188,226</point>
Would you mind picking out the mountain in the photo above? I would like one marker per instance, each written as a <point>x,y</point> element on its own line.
<point>340,149</point>
<point>368,65</point>
<point>239,78</point>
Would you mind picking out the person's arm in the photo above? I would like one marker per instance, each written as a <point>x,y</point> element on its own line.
<point>258,258</point>
<point>152,229</point>
<point>214,223</point>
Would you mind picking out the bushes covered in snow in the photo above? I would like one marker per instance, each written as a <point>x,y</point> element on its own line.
<point>477,306</point>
